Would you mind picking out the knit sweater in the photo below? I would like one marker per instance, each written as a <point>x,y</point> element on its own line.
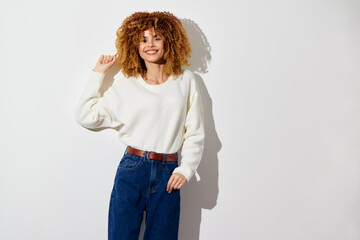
<point>159,118</point>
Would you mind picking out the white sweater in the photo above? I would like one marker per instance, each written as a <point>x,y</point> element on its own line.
<point>157,118</point>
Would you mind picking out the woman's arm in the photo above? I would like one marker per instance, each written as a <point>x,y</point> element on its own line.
<point>94,111</point>
<point>194,136</point>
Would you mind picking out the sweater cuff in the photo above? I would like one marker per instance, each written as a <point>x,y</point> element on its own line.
<point>184,170</point>
<point>97,75</point>
<point>95,81</point>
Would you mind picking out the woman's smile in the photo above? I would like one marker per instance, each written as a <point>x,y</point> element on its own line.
<point>151,51</point>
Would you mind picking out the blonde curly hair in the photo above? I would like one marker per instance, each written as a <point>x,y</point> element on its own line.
<point>176,42</point>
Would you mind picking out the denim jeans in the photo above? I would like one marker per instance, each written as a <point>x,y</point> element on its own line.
<point>140,185</point>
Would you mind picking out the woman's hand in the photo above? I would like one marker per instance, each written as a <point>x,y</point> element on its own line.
<point>104,63</point>
<point>176,181</point>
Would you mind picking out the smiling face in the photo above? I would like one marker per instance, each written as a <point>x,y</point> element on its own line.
<point>151,48</point>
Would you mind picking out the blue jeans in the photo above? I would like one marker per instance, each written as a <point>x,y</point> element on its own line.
<point>140,185</point>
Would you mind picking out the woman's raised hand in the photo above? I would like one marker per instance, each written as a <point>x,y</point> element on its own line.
<point>104,63</point>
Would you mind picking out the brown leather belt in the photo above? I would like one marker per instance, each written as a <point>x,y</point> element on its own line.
<point>171,157</point>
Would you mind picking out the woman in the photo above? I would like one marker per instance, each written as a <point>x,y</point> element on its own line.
<point>156,108</point>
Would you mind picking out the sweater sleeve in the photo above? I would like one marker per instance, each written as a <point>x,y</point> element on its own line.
<point>94,111</point>
<point>193,141</point>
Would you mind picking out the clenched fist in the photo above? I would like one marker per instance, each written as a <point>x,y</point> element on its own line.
<point>104,63</point>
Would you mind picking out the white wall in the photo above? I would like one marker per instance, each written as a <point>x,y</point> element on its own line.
<point>282,97</point>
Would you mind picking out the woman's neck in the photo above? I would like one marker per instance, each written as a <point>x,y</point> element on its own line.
<point>155,73</point>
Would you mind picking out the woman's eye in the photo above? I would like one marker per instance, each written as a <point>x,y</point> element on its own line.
<point>157,39</point>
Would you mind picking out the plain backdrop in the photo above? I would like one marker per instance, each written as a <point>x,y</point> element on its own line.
<point>280,82</point>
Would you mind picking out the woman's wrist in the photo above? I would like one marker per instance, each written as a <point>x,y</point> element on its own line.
<point>99,71</point>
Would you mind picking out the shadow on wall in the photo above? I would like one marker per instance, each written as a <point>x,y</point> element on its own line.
<point>200,193</point>
<point>201,50</point>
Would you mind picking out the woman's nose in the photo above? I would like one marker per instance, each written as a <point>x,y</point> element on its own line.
<point>151,43</point>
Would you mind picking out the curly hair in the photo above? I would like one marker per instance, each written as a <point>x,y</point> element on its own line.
<point>176,42</point>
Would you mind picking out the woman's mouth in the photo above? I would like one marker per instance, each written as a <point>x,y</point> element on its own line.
<point>151,52</point>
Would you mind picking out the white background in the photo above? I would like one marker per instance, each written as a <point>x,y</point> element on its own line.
<point>280,82</point>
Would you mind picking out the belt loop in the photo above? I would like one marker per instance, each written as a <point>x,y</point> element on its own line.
<point>126,150</point>
<point>164,156</point>
<point>145,155</point>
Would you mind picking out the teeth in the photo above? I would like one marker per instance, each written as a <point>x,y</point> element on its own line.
<point>151,51</point>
